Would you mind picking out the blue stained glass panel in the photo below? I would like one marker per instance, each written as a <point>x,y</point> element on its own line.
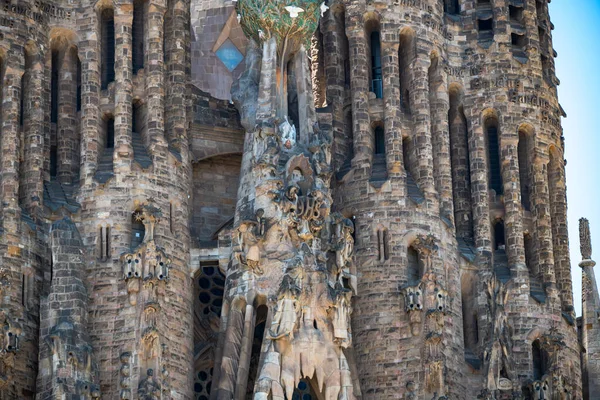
<point>229,55</point>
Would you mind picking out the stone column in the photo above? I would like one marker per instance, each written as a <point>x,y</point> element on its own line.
<point>560,234</point>
<point>439,104</point>
<point>231,355</point>
<point>540,201</point>
<point>246,353</point>
<point>590,322</point>
<point>154,72</point>
<point>334,72</point>
<point>33,122</point>
<point>90,102</point>
<point>306,105</point>
<point>359,78</point>
<point>391,98</point>
<point>66,127</point>
<point>461,179</point>
<point>175,114</point>
<point>479,188</point>
<point>9,142</point>
<point>419,102</point>
<point>513,216</point>
<point>123,154</point>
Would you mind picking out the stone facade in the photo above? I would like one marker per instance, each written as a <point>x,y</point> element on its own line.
<point>379,212</point>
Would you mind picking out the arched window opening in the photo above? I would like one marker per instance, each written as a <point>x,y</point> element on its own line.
<point>461,165</point>
<point>469,313</point>
<point>525,150</point>
<point>347,147</point>
<point>486,29</point>
<point>495,173</point>
<point>499,240</point>
<point>137,230</point>
<point>110,132</point>
<point>108,47</point>
<point>406,55</point>
<point>138,123</point>
<point>259,333</point>
<point>414,268</point>
<point>379,165</point>
<point>341,23</point>
<point>379,140</point>
<point>137,36</point>
<point>539,360</point>
<point>292,98</point>
<point>519,44</point>
<point>54,87</point>
<point>376,70</point>
<point>516,13</point>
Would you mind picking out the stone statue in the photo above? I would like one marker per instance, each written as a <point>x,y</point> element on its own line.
<point>288,306</point>
<point>541,389</point>
<point>149,388</point>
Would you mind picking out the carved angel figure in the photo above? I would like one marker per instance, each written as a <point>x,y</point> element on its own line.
<point>341,317</point>
<point>288,306</point>
<point>149,388</point>
<point>249,254</point>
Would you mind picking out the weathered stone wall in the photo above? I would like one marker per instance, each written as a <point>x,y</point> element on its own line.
<point>216,182</point>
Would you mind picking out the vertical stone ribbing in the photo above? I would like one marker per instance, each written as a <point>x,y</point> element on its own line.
<point>391,98</point>
<point>177,32</point>
<point>33,126</point>
<point>513,218</point>
<point>479,187</point>
<point>231,355</point>
<point>419,104</point>
<point>540,200</point>
<point>66,127</point>
<point>123,154</point>
<point>154,71</point>
<point>9,141</point>
<point>246,353</point>
<point>560,234</point>
<point>333,37</point>
<point>359,78</point>
<point>90,101</point>
<point>439,104</point>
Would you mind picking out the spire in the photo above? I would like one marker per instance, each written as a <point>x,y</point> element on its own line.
<point>585,240</point>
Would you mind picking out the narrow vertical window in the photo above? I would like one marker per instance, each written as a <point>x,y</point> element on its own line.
<point>110,133</point>
<point>539,360</point>
<point>53,161</point>
<point>452,7</point>
<point>499,241</point>
<point>108,48</point>
<point>78,84</point>
<point>171,217</point>
<point>528,244</point>
<point>137,32</point>
<point>104,243</point>
<point>406,55</point>
<point>495,173</point>
<point>54,88</point>
<point>382,244</point>
<point>414,266</point>
<point>379,140</point>
<point>22,99</point>
<point>376,71</point>
<point>524,151</point>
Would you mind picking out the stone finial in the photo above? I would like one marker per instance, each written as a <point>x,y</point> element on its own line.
<point>585,240</point>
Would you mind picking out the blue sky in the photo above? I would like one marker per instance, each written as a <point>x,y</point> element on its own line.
<point>576,39</point>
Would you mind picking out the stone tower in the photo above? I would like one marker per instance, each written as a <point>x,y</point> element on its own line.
<point>447,157</point>
<point>381,212</point>
<point>95,188</point>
